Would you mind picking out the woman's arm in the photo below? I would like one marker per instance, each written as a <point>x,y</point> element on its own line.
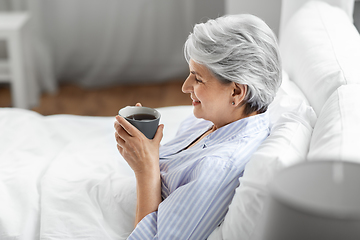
<point>142,155</point>
<point>148,189</point>
<point>194,209</point>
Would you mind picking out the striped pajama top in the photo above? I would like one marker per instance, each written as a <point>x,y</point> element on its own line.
<point>199,183</point>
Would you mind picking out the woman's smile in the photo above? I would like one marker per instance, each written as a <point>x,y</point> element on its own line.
<point>195,102</point>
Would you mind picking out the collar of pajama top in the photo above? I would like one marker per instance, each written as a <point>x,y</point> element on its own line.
<point>225,142</point>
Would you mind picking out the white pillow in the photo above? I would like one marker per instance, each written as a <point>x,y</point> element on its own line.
<point>290,88</point>
<point>320,49</point>
<point>292,122</point>
<point>289,7</point>
<point>336,134</point>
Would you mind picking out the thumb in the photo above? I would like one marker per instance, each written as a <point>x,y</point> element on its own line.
<point>159,133</point>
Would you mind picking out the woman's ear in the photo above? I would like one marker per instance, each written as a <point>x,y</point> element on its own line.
<point>239,93</point>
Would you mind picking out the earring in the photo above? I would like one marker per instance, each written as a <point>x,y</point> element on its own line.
<point>233,103</point>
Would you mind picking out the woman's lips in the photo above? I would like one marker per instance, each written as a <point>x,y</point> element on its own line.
<point>195,102</point>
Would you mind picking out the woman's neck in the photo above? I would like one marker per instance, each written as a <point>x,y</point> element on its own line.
<point>219,124</point>
<point>210,130</point>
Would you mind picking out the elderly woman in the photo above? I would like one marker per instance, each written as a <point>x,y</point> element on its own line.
<point>184,187</point>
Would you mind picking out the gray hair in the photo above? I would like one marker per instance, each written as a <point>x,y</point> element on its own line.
<point>241,49</point>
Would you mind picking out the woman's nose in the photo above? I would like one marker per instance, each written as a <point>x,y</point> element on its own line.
<point>186,87</point>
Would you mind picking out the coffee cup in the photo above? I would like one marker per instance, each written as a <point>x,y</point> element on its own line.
<point>143,118</point>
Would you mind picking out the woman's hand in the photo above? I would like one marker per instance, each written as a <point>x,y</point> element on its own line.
<point>141,153</point>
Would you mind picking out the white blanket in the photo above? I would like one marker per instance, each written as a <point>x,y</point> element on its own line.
<point>61,176</point>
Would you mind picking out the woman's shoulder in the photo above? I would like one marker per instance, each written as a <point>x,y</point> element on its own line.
<point>215,165</point>
<point>236,150</point>
<point>222,155</point>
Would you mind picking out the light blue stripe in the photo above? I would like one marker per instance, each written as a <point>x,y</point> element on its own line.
<point>199,183</point>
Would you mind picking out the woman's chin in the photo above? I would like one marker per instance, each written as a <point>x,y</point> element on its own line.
<point>197,112</point>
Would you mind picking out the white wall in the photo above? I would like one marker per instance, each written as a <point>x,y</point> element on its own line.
<point>205,9</point>
<point>268,10</point>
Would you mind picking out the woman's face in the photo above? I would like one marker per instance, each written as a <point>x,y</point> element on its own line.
<point>212,100</point>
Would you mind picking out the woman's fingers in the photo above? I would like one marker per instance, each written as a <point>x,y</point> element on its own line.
<point>119,140</point>
<point>119,131</point>
<point>159,134</point>
<point>139,152</point>
<point>138,105</point>
<point>120,149</point>
<point>125,127</point>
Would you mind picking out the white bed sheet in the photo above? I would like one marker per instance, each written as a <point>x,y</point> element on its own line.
<point>73,185</point>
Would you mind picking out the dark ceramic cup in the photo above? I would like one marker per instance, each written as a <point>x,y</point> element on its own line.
<point>143,118</point>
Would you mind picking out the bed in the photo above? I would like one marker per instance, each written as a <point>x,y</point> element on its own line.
<point>61,176</point>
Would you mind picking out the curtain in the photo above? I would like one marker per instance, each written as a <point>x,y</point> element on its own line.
<point>97,43</point>
<point>105,42</point>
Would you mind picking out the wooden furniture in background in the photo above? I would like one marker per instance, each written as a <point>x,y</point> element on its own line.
<point>71,99</point>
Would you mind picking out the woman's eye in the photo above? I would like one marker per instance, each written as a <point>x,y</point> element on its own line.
<point>198,80</point>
